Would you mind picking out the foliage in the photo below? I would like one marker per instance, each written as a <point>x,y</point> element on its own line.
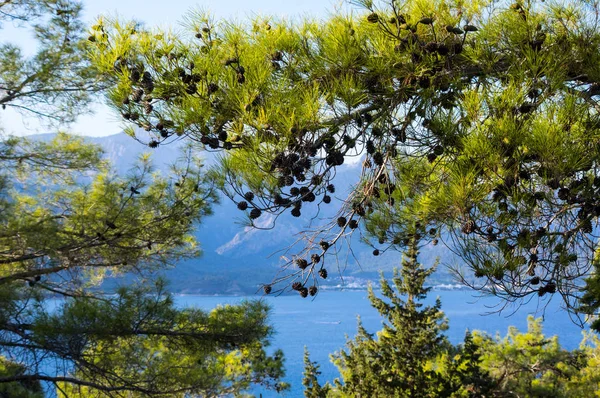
<point>478,121</point>
<point>312,388</point>
<point>22,389</point>
<point>67,221</point>
<point>56,79</point>
<point>528,364</point>
<point>410,357</point>
<point>145,343</point>
<point>462,372</point>
<point>400,360</point>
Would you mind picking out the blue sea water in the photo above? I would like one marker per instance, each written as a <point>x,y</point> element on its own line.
<point>323,323</point>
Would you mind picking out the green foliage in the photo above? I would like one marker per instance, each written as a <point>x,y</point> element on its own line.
<point>22,389</point>
<point>410,357</point>
<point>477,121</point>
<point>400,360</point>
<point>67,221</point>
<point>56,81</point>
<point>531,365</point>
<point>142,341</point>
<point>312,388</point>
<point>462,372</point>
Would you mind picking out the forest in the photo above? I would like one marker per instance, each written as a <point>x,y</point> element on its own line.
<point>475,128</point>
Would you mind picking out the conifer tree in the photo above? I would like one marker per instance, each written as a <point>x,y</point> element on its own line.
<point>312,388</point>
<point>398,361</point>
<point>532,365</point>
<point>67,220</point>
<point>480,120</point>
<point>463,373</point>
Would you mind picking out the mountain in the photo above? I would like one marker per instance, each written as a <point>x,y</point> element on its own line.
<point>237,259</point>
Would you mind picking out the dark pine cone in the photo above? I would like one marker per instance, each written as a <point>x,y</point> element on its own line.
<point>301,263</point>
<point>296,212</point>
<point>323,273</point>
<point>326,199</point>
<point>148,107</point>
<point>324,245</point>
<point>373,18</point>
<point>255,213</point>
<point>353,224</point>
<point>211,88</point>
<point>469,227</point>
<point>309,197</point>
<point>249,196</point>
<point>315,258</point>
<point>586,226</point>
<point>376,252</point>
<point>281,181</point>
<point>563,193</point>
<point>303,292</point>
<point>341,222</point>
<point>137,95</point>
<point>378,158</point>
<point>370,147</point>
<point>243,205</point>
<point>267,289</point>
<point>296,285</point>
<point>312,290</point>
<point>360,210</point>
<point>331,188</point>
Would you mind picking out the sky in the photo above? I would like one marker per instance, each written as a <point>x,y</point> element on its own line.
<point>159,13</point>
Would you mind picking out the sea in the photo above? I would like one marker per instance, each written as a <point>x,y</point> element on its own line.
<point>323,324</point>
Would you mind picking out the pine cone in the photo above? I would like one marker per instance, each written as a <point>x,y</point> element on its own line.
<point>255,213</point>
<point>301,263</point>
<point>249,196</point>
<point>469,227</point>
<point>373,18</point>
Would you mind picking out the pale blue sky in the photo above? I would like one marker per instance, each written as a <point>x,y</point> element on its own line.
<point>162,13</point>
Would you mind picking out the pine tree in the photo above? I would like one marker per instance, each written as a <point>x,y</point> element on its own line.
<point>463,373</point>
<point>312,388</point>
<point>399,361</point>
<point>479,120</point>
<point>67,220</point>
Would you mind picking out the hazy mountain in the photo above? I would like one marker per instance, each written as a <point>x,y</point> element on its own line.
<point>237,259</point>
